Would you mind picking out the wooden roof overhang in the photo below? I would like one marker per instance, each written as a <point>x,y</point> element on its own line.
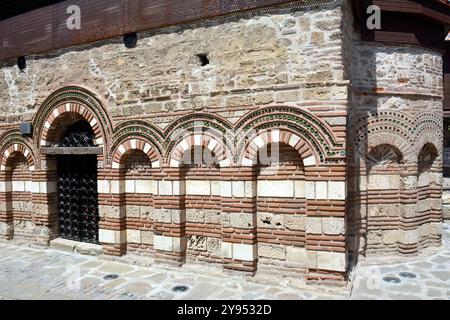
<point>423,23</point>
<point>38,26</point>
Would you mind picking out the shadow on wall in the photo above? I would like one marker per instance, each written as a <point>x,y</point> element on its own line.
<point>394,164</point>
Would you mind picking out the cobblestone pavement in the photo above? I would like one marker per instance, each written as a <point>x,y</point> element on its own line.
<point>37,273</point>
<point>423,277</point>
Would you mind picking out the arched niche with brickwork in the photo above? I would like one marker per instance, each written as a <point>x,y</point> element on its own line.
<point>16,187</point>
<point>66,106</point>
<point>216,147</point>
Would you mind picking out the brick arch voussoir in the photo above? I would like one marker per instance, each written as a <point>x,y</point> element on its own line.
<point>428,137</point>
<point>71,107</point>
<point>136,143</point>
<point>17,148</point>
<point>266,137</point>
<point>392,139</point>
<point>199,139</point>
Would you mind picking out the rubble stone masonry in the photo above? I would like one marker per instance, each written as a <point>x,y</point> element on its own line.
<point>357,127</point>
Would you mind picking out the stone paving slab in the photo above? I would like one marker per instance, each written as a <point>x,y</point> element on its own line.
<point>45,273</point>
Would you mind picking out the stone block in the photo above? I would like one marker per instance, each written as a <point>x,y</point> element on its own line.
<point>133,211</point>
<point>89,249</point>
<point>133,236</point>
<point>295,222</point>
<point>238,189</point>
<point>390,236</point>
<point>242,220</point>
<point>333,261</point>
<point>147,237</point>
<point>313,225</point>
<point>408,236</point>
<point>146,186</point>
<point>163,243</point>
<point>310,190</point>
<point>63,244</point>
<point>271,251</point>
<point>130,186</point>
<point>250,189</point>
<point>198,187</point>
<point>245,252</point>
<point>18,186</point>
<point>109,211</point>
<point>276,188</point>
<point>197,243</point>
<point>225,188</point>
<point>321,190</point>
<point>227,250</point>
<point>215,188</point>
<point>311,259</point>
<point>297,255</point>
<point>214,245</point>
<point>299,189</point>
<point>165,188</point>
<point>333,226</point>
<point>336,190</point>
<point>270,220</point>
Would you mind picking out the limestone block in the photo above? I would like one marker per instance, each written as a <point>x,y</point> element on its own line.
<point>133,211</point>
<point>250,189</point>
<point>163,243</point>
<point>242,220</point>
<point>197,243</point>
<point>213,216</point>
<point>5,186</point>
<point>195,215</point>
<point>270,220</point>
<point>313,225</point>
<point>383,182</point>
<point>215,188</point>
<point>446,183</point>
<point>333,226</point>
<point>390,236</point>
<point>165,188</point>
<point>245,252</point>
<point>18,186</point>
<point>295,222</point>
<point>146,186</point>
<point>271,251</point>
<point>408,236</point>
<point>321,190</point>
<point>133,236</point>
<point>299,189</point>
<point>238,189</point>
<point>227,250</point>
<point>6,229</point>
<point>179,244</point>
<point>198,187</point>
<point>214,245</point>
<point>333,261</point>
<point>130,186</point>
<point>178,188</point>
<point>311,259</point>
<point>111,236</point>
<point>225,188</point>
<point>109,211</point>
<point>276,188</point>
<point>147,237</point>
<point>310,190</point>
<point>336,190</point>
<point>115,187</point>
<point>309,161</point>
<point>104,186</point>
<point>296,255</point>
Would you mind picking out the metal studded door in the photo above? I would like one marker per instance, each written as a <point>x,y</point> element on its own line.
<point>78,198</point>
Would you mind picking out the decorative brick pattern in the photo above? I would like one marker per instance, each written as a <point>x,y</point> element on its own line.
<point>296,149</point>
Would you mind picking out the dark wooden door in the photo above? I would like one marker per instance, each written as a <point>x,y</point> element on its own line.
<point>78,198</point>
